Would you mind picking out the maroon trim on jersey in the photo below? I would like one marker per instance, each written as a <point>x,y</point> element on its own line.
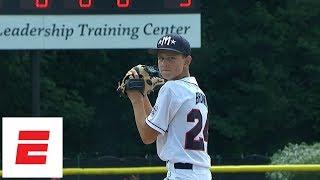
<point>156,126</point>
<point>188,82</point>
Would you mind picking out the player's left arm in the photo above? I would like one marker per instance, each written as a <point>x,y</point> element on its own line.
<point>140,107</point>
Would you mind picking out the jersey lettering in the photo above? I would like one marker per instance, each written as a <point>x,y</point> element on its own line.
<point>201,98</point>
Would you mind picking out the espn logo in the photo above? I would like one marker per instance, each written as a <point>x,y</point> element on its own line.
<point>32,147</point>
<point>24,149</point>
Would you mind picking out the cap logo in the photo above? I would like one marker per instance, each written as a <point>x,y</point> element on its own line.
<point>168,40</point>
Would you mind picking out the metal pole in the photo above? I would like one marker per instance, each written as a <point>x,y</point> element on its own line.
<point>78,164</point>
<point>35,55</point>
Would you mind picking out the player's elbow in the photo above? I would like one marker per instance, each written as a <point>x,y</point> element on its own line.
<point>147,140</point>
<point>148,135</point>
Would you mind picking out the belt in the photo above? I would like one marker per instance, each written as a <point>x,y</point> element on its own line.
<point>183,166</point>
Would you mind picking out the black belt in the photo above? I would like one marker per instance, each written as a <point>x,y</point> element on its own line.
<point>183,166</point>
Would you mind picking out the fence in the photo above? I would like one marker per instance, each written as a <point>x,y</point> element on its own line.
<point>131,168</point>
<point>148,161</point>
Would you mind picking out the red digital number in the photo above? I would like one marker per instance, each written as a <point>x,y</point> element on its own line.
<point>42,3</point>
<point>186,4</point>
<point>85,3</point>
<point>120,4</point>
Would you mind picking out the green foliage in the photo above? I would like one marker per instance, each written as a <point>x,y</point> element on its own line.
<point>15,84</point>
<point>261,72</point>
<point>60,102</point>
<point>296,154</point>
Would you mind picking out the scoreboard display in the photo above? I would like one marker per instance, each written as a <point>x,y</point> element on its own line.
<point>96,24</point>
<point>98,6</point>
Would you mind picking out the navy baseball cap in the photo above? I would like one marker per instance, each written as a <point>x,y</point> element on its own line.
<point>173,42</point>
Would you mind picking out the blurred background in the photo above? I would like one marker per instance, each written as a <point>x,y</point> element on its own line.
<point>259,66</point>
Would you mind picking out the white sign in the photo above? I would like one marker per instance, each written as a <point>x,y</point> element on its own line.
<point>32,147</point>
<point>95,31</point>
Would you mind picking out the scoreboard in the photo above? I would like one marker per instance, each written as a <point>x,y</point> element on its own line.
<point>98,6</point>
<point>96,24</point>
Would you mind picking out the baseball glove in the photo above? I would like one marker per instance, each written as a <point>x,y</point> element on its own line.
<point>149,80</point>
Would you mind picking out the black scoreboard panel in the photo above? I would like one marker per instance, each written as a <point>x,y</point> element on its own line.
<point>79,7</point>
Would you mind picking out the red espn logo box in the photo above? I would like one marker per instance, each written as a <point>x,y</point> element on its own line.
<point>32,147</point>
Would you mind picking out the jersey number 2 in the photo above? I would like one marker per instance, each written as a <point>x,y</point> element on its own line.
<point>190,142</point>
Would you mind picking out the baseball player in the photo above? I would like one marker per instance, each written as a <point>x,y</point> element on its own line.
<point>178,120</point>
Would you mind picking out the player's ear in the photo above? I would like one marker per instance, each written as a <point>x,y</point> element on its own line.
<point>187,61</point>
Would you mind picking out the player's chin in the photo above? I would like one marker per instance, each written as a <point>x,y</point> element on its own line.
<point>166,75</point>
<point>169,78</point>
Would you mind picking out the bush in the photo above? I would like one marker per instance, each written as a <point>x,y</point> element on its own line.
<point>296,154</point>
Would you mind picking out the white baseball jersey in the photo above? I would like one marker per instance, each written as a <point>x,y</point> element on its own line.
<point>180,115</point>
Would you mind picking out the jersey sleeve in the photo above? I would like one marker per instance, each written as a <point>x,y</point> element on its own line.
<point>166,106</point>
